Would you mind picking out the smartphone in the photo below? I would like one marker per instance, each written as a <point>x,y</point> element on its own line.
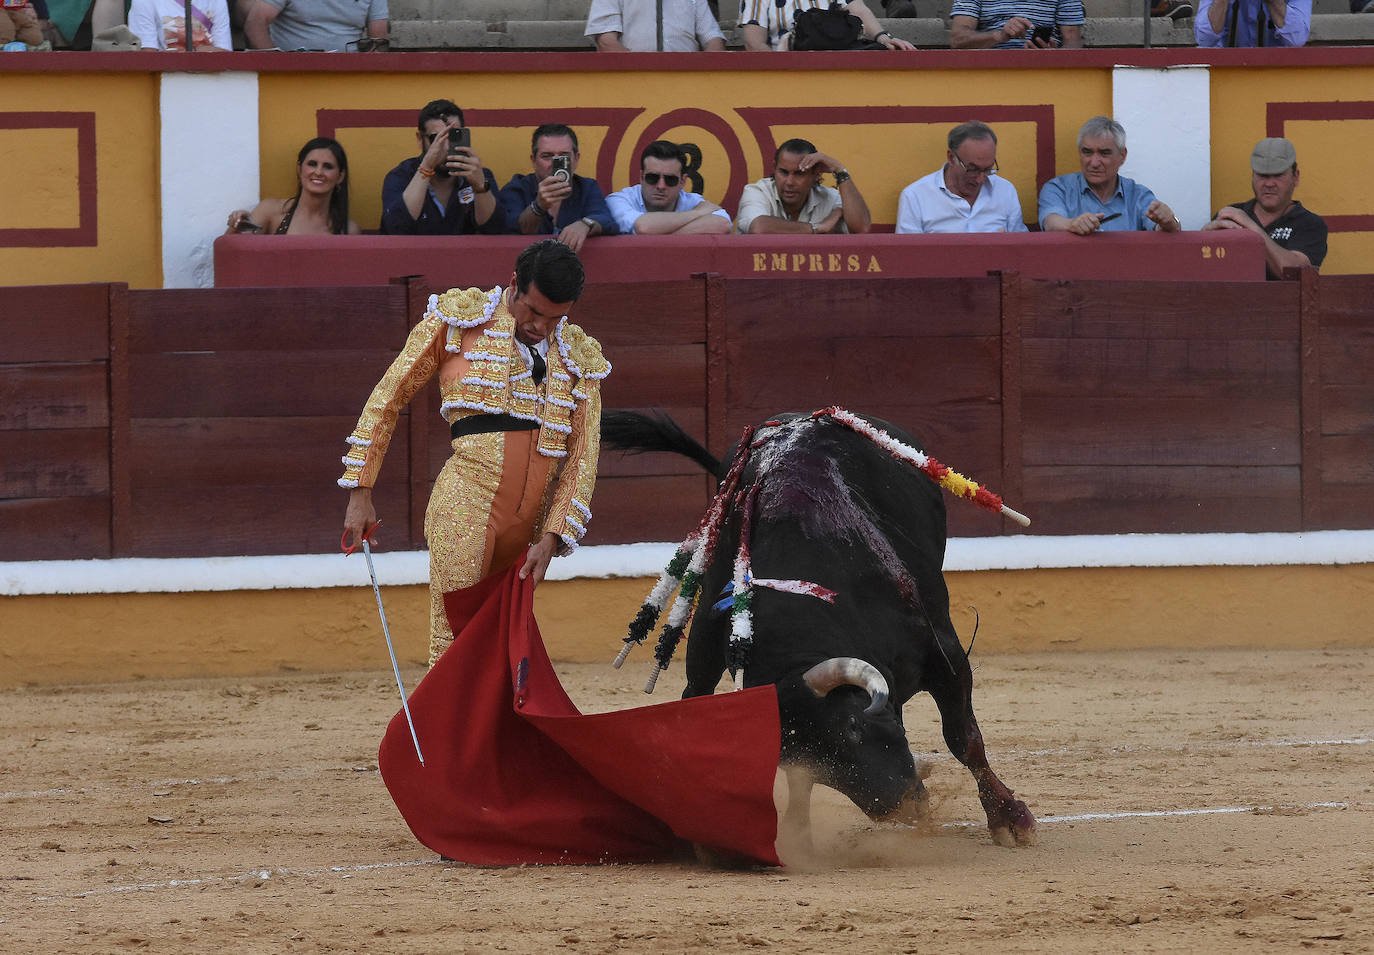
<point>1109,218</point>
<point>1043,33</point>
<point>560,168</point>
<point>247,225</point>
<point>459,139</point>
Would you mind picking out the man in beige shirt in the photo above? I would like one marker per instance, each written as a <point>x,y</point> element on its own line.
<point>794,201</point>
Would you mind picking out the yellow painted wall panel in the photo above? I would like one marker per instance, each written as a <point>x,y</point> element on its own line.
<point>124,165</point>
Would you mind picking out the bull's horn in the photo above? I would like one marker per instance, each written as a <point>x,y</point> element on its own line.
<point>848,671</point>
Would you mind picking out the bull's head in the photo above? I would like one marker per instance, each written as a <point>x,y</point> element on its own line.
<point>837,721</point>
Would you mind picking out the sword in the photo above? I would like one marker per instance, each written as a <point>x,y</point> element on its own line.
<point>386,631</point>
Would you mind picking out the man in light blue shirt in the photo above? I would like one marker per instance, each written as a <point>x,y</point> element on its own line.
<point>660,205</point>
<point>966,195</point>
<point>1253,22</point>
<point>1098,198</point>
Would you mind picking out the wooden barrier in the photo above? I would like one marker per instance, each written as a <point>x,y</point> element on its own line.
<point>211,422</point>
<point>255,260</point>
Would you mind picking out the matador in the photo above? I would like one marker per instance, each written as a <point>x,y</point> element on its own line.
<point>520,387</point>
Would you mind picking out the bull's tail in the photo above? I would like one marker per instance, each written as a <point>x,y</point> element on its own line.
<point>634,433</point>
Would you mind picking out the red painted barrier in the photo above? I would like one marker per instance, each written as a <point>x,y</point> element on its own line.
<point>250,260</point>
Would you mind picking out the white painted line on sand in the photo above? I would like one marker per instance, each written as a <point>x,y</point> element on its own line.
<point>347,871</point>
<point>1000,756</point>
<point>255,875</point>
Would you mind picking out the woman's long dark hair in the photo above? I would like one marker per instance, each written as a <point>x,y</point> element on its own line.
<point>338,200</point>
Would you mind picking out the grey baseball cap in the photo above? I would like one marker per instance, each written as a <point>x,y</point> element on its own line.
<point>1273,156</point>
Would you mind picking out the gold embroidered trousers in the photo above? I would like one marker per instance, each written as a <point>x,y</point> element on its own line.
<point>483,514</point>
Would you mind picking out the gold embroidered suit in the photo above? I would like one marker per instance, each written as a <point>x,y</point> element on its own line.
<point>500,491</point>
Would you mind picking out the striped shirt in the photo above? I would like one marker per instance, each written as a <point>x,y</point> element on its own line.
<point>993,14</point>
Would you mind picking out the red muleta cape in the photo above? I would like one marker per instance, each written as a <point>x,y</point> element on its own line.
<point>515,774</point>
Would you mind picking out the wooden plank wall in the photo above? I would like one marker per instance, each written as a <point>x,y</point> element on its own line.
<point>211,422</point>
<point>1346,414</point>
<point>239,404</point>
<point>1172,408</point>
<point>55,421</point>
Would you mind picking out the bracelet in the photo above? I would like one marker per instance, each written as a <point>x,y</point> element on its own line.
<point>485,187</point>
<point>426,173</point>
<point>538,212</point>
<point>880,35</point>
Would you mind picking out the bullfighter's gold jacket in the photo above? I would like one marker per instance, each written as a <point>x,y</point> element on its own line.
<point>467,336</point>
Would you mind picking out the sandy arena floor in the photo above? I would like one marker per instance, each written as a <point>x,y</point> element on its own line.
<point>1189,802</point>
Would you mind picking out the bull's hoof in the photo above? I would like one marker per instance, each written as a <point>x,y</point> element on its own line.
<point>1014,826</point>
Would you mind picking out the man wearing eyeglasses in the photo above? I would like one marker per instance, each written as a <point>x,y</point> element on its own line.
<point>554,200</point>
<point>660,205</point>
<point>793,201</point>
<point>1099,198</point>
<point>445,190</point>
<point>333,25</point>
<point>966,194</point>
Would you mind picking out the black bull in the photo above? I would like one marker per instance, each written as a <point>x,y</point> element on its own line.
<point>831,507</point>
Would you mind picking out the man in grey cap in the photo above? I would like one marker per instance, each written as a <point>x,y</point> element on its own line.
<point>1293,237</point>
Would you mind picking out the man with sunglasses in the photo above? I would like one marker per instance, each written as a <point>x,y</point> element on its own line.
<point>445,190</point>
<point>660,204</point>
<point>333,25</point>
<point>966,194</point>
<point>793,200</point>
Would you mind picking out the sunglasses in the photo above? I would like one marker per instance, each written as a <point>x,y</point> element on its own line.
<point>652,179</point>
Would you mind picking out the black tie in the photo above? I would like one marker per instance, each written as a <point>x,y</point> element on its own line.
<point>538,367</point>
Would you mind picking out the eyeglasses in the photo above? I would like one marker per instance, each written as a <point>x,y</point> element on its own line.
<point>652,179</point>
<point>975,170</point>
<point>367,44</point>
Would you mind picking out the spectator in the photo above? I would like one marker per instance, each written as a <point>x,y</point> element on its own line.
<point>767,24</point>
<point>1293,237</point>
<point>320,205</point>
<point>660,205</point>
<point>794,201</point>
<point>1099,198</point>
<point>445,190</point>
<point>966,194</point>
<point>161,24</point>
<point>1016,24</point>
<point>549,199</point>
<point>621,26</point>
<point>314,24</point>
<point>1253,22</point>
<point>19,22</point>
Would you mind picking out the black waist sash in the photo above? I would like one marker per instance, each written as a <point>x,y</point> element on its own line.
<point>487,423</point>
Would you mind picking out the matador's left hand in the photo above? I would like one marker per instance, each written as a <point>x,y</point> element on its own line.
<point>537,561</point>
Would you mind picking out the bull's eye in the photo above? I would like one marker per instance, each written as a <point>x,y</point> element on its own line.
<point>853,731</point>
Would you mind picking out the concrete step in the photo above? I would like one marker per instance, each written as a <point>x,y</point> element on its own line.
<point>489,10</point>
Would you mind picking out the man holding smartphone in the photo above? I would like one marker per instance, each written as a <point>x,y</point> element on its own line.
<point>1016,24</point>
<point>445,190</point>
<point>554,200</point>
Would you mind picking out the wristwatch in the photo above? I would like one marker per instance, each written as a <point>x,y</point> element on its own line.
<point>589,222</point>
<point>841,177</point>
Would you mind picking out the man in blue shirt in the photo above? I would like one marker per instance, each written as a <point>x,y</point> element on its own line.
<point>554,200</point>
<point>445,190</point>
<point>660,204</point>
<point>1098,198</point>
<point>1253,22</point>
